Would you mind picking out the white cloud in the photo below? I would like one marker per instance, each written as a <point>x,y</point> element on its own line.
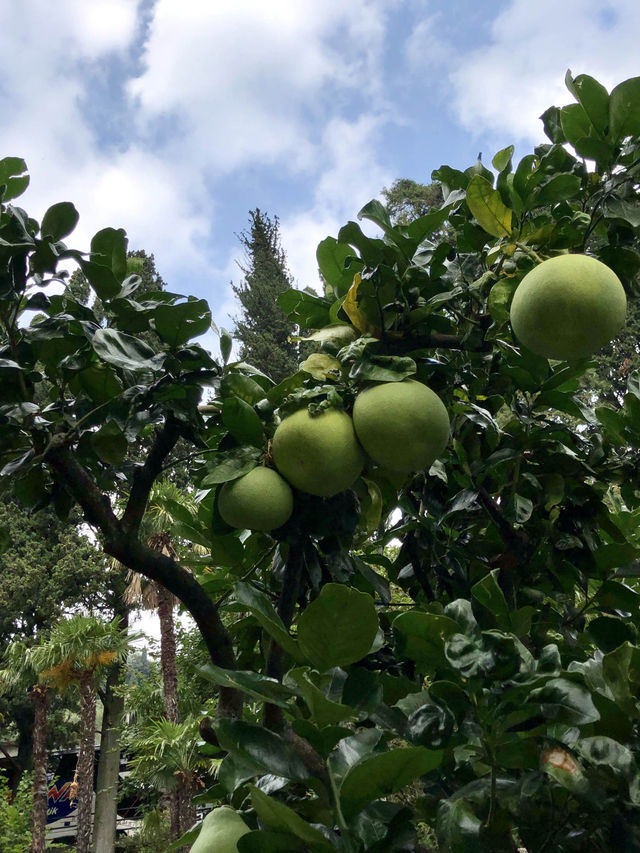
<point>240,81</point>
<point>502,87</point>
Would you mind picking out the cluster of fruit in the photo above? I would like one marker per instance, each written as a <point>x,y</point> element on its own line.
<point>401,426</point>
<point>567,307</point>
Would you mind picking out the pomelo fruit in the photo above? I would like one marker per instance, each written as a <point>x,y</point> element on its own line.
<point>403,426</point>
<point>221,830</point>
<point>260,500</point>
<point>319,455</point>
<point>568,307</point>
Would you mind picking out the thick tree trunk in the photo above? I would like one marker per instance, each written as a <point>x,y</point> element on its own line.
<point>40,788</point>
<point>106,813</point>
<point>86,757</point>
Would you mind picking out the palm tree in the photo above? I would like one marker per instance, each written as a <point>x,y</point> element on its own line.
<point>77,653</point>
<point>158,524</point>
<point>167,758</point>
<point>19,674</point>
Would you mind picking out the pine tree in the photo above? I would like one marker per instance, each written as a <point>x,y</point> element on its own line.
<point>263,328</point>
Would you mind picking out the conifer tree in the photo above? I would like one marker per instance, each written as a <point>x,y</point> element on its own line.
<point>263,329</point>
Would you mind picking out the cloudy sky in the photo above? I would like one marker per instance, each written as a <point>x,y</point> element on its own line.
<point>174,118</point>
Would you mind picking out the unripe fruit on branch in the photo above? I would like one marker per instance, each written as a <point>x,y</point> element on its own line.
<point>403,426</point>
<point>568,307</point>
<point>319,455</point>
<point>260,500</point>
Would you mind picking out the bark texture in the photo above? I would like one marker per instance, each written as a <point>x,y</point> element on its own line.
<point>86,756</point>
<point>40,788</point>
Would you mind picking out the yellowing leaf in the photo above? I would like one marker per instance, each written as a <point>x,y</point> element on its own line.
<point>322,366</point>
<point>353,312</point>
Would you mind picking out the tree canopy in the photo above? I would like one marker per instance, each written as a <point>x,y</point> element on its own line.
<point>470,627</point>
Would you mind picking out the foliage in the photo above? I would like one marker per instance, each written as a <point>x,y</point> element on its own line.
<point>15,816</point>
<point>506,684</point>
<point>408,200</point>
<point>263,329</point>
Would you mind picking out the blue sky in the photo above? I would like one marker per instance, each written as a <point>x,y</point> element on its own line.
<point>174,118</point>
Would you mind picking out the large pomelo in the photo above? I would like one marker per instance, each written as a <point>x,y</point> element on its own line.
<point>261,500</point>
<point>403,426</point>
<point>221,830</point>
<point>319,455</point>
<point>568,307</point>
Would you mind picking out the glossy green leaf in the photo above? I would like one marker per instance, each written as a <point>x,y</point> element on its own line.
<point>177,324</point>
<point>12,177</point>
<point>337,264</point>
<point>59,221</point>
<point>265,748</point>
<point>228,465</point>
<point>242,421</point>
<point>124,351</point>
<point>109,249</point>
<point>593,97</point>
<point>261,841</point>
<point>624,110</point>
<point>283,819</point>
<point>109,443</point>
<point>323,711</point>
<point>258,686</point>
<point>263,610</point>
<point>421,637</point>
<point>488,208</point>
<point>383,774</point>
<point>566,701</point>
<point>458,828</point>
<point>488,593</point>
<point>338,627</point>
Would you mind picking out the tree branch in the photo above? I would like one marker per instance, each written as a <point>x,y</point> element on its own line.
<point>145,476</point>
<point>124,545</point>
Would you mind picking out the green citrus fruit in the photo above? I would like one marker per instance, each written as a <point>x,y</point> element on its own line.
<point>568,307</point>
<point>319,455</point>
<point>403,426</point>
<point>261,500</point>
<point>221,830</point>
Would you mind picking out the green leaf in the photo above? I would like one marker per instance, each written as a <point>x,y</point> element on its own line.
<point>575,122</point>
<point>263,747</point>
<point>553,125</point>
<point>566,701</point>
<point>261,841</point>
<point>624,110</point>
<point>59,221</point>
<point>593,97</point>
<point>310,312</point>
<point>177,324</point>
<point>338,628</point>
<point>280,817</point>
<point>458,828</point>
<point>502,160</point>
<point>230,464</point>
<point>242,421</point>
<point>488,208</point>
<point>258,686</point>
<point>239,385</point>
<point>265,613</point>
<point>324,712</point>
<point>609,632</point>
<point>12,177</point>
<point>488,593</point>
<point>421,637</point>
<point>226,345</point>
<point>383,774</point>
<point>109,249</point>
<point>124,351</point>
<point>559,188</point>
<point>332,260</point>
<point>109,443</point>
